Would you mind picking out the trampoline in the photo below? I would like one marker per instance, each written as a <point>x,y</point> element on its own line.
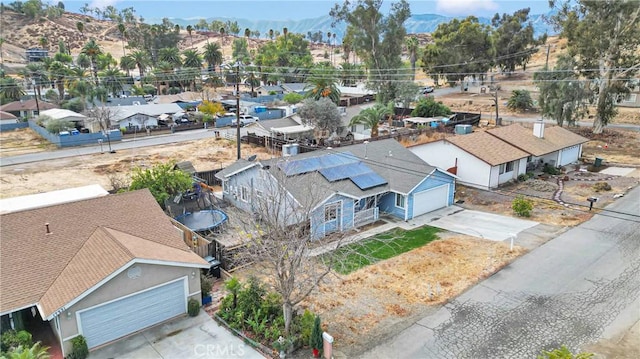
<point>201,221</point>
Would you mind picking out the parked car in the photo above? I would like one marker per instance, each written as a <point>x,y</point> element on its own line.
<point>244,120</point>
<point>426,90</point>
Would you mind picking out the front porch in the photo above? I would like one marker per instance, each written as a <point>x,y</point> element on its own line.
<point>42,331</point>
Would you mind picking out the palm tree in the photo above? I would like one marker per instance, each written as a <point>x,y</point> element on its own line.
<point>271,34</point>
<point>412,49</point>
<point>212,55</point>
<point>142,60</point>
<point>170,55</point>
<point>10,90</point>
<point>37,351</point>
<point>222,35</point>
<point>92,49</point>
<point>164,73</point>
<point>322,81</point>
<point>285,31</point>
<point>189,31</point>
<point>192,59</point>
<point>36,74</point>
<point>58,72</point>
<point>371,117</point>
<point>112,80</point>
<point>83,61</point>
<point>127,63</point>
<point>105,61</point>
<point>123,32</point>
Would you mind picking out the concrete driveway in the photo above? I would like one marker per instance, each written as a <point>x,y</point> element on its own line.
<point>184,338</point>
<point>481,224</point>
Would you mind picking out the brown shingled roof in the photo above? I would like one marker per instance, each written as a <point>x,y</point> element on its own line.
<point>27,105</point>
<point>555,138</point>
<point>88,241</point>
<point>487,148</point>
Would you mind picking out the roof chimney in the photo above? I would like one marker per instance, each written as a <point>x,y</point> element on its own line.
<point>46,225</point>
<point>538,129</point>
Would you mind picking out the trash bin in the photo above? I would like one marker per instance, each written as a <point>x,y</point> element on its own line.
<point>597,162</point>
<point>214,266</point>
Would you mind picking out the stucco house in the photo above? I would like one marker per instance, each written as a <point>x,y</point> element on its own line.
<point>138,116</point>
<point>478,159</point>
<point>552,145</point>
<point>26,108</point>
<point>337,190</point>
<point>101,267</point>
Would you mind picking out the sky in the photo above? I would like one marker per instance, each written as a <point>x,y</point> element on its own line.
<point>300,9</point>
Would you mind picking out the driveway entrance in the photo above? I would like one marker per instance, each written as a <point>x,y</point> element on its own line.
<point>481,224</point>
<point>185,338</point>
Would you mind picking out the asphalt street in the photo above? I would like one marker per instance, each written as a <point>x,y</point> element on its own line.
<point>575,290</point>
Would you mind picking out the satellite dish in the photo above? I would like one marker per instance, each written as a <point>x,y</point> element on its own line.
<point>252,158</point>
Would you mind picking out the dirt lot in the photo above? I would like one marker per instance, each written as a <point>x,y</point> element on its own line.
<point>375,302</point>
<point>104,169</point>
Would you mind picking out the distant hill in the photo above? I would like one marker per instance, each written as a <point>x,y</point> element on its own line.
<point>416,24</point>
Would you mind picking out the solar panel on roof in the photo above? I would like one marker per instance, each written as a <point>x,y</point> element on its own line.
<point>337,159</point>
<point>345,171</point>
<point>297,167</point>
<point>368,180</point>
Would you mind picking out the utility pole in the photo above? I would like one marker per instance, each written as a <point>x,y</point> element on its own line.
<point>546,63</point>
<point>35,95</point>
<point>238,107</point>
<point>498,122</point>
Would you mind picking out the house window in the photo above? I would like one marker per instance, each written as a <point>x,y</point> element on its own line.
<point>529,159</point>
<point>510,166</point>
<point>331,212</point>
<point>399,200</point>
<point>244,194</point>
<point>259,194</point>
<point>225,186</point>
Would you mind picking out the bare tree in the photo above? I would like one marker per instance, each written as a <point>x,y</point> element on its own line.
<point>281,233</point>
<point>103,116</point>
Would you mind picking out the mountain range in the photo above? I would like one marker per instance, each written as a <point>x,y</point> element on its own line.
<point>416,24</point>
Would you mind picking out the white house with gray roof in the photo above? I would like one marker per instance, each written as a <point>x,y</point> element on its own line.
<point>339,189</point>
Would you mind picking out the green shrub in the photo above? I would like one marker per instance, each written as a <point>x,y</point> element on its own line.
<point>205,286</point>
<point>522,206</point>
<point>315,342</point>
<point>530,175</point>
<point>13,339</point>
<point>193,308</point>
<point>601,186</point>
<point>520,100</point>
<point>306,326</point>
<point>550,170</point>
<point>522,177</point>
<point>79,348</point>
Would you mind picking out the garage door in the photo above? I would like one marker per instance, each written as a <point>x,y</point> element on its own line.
<point>114,320</point>
<point>430,200</point>
<point>569,155</point>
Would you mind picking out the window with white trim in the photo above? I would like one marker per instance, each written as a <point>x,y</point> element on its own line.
<point>510,166</point>
<point>399,200</point>
<point>259,193</point>
<point>331,211</point>
<point>529,159</point>
<point>225,186</point>
<point>244,194</point>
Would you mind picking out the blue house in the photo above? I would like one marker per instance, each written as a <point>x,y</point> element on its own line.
<point>339,189</point>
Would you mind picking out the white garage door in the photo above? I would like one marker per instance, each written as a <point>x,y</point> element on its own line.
<point>430,200</point>
<point>569,155</point>
<point>114,320</point>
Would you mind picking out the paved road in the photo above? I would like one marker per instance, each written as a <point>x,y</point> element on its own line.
<point>574,290</point>
<point>142,141</point>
